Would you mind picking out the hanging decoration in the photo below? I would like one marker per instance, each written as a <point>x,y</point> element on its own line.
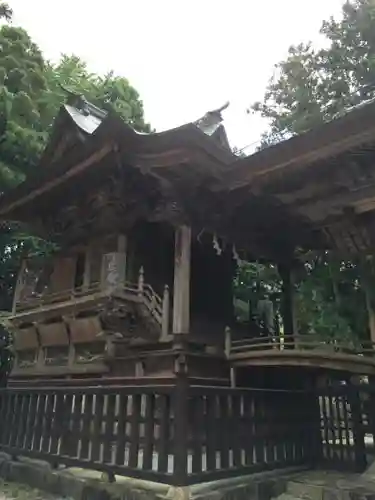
<point>216,245</point>
<point>236,257</point>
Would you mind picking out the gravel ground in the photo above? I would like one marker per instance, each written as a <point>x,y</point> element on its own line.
<point>14,491</point>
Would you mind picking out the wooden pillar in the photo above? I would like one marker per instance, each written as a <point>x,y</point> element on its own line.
<point>371,314</point>
<point>122,244</point>
<point>367,284</point>
<point>181,287</point>
<point>288,303</point>
<point>113,270</point>
<point>18,287</point>
<point>165,316</point>
<point>87,270</point>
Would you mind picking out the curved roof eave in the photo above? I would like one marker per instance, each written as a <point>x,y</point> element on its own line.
<point>188,134</point>
<point>353,129</point>
<point>102,132</point>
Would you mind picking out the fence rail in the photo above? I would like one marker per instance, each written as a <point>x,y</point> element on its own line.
<point>347,426</point>
<point>175,434</point>
<point>182,434</point>
<point>142,293</point>
<point>298,342</point>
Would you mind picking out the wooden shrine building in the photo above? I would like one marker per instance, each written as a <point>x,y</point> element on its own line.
<point>150,228</point>
<point>137,301</point>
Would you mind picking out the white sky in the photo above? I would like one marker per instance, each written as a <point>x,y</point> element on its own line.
<point>183,57</point>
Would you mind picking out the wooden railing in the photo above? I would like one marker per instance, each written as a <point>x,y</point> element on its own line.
<point>158,307</point>
<point>347,426</point>
<point>141,292</point>
<point>181,434</point>
<point>42,300</point>
<point>298,342</point>
<point>178,434</point>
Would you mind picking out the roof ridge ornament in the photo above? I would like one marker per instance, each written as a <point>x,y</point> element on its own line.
<point>87,108</point>
<point>78,100</point>
<point>211,120</point>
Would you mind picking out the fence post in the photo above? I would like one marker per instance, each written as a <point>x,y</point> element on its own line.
<point>371,405</point>
<point>358,430</point>
<point>315,434</point>
<point>180,424</point>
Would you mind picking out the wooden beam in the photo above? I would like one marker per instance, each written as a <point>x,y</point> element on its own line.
<point>95,157</point>
<point>357,198</point>
<point>181,288</point>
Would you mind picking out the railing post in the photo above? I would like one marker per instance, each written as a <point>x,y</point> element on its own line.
<point>181,428</point>
<point>314,432</point>
<point>141,281</point>
<point>165,315</point>
<point>227,349</point>
<point>228,341</point>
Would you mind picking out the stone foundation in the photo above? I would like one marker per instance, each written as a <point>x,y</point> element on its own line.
<point>80,484</point>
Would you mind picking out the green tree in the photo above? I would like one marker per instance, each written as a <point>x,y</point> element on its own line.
<point>22,82</point>
<point>256,281</point>
<point>5,11</point>
<point>331,300</point>
<point>312,85</point>
<point>109,91</point>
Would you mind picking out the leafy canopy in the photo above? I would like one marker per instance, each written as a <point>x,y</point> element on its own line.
<point>312,85</point>
<point>5,12</point>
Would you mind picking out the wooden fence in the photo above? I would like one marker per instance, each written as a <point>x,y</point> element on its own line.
<point>183,434</point>
<point>347,424</point>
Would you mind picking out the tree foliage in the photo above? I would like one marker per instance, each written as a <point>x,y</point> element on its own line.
<point>313,85</point>
<point>22,82</point>
<point>108,91</point>
<point>5,12</point>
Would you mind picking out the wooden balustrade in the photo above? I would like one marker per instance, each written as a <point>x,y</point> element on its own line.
<point>170,433</point>
<point>179,434</point>
<point>140,293</point>
<point>158,307</point>
<point>300,342</point>
<point>56,297</point>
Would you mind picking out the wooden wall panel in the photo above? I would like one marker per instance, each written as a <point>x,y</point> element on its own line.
<point>25,339</point>
<point>53,334</point>
<point>84,330</point>
<point>63,274</point>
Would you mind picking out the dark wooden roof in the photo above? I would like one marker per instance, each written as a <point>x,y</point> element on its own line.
<point>316,190</point>
<point>356,128</point>
<point>326,176</point>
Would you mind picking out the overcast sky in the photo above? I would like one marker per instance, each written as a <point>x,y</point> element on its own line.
<point>183,57</point>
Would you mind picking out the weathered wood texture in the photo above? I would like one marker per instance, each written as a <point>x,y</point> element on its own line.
<point>176,434</point>
<point>304,351</point>
<point>181,288</point>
